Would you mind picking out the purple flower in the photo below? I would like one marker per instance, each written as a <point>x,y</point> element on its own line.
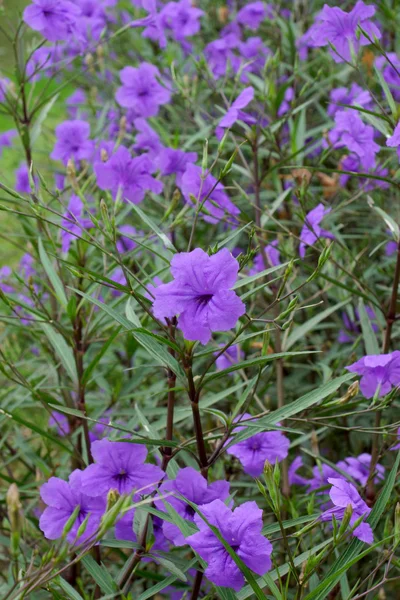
<point>253,452</point>
<point>174,161</point>
<point>381,370</point>
<point>397,446</point>
<point>254,54</point>
<point>141,91</point>
<point>53,18</point>
<point>294,478</point>
<point>60,422</point>
<point>124,531</point>
<point>74,101</point>
<point>272,255</point>
<point>341,29</point>
<point>26,268</point>
<point>5,273</point>
<point>394,140</point>
<point>353,328</point>
<point>343,494</point>
<point>231,356</point>
<point>241,529</point>
<point>217,204</point>
<point>181,18</point>
<point>6,139</point>
<point>152,23</point>
<point>200,294</point>
<point>192,485</point>
<point>4,85</point>
<point>219,55</point>
<point>390,73</point>
<point>252,15</point>
<point>352,133</point>
<point>62,498</point>
<point>131,177</point>
<point>73,142</point>
<point>125,243</point>
<point>358,468</point>
<point>22,184</point>
<point>147,140</point>
<point>119,466</point>
<point>312,231</point>
<point>235,113</point>
<point>354,96</point>
<point>74,222</point>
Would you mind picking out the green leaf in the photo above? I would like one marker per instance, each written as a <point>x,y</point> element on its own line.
<point>170,567</point>
<point>246,280</point>
<point>100,575</point>
<point>41,118</point>
<point>63,351</point>
<point>370,341</point>
<point>352,552</point>
<point>90,368</point>
<point>37,429</point>
<point>165,240</point>
<point>289,410</point>
<point>68,589</point>
<point>301,331</point>
<point>52,275</point>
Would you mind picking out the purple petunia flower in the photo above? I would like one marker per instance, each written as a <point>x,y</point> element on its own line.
<point>235,111</point>
<point>241,529</point>
<point>60,422</point>
<point>255,450</point>
<point>390,71</point>
<point>343,494</point>
<point>6,139</point>
<point>141,91</point>
<point>131,177</point>
<point>358,468</point>
<point>231,356</point>
<point>352,133</point>
<point>377,370</point>
<point>254,54</point>
<point>181,18</point>
<point>353,96</point>
<point>294,477</point>
<point>73,142</point>
<point>192,485</point>
<point>252,15</point>
<point>272,255</point>
<point>74,101</point>
<point>341,29</point>
<point>353,328</point>
<point>22,184</point>
<point>217,204</point>
<point>5,273</point>
<point>62,498</point>
<point>219,54</point>
<point>119,466</point>
<point>54,19</point>
<point>174,161</point>
<point>312,231</point>
<point>147,140</point>
<point>152,23</point>
<point>394,140</point>
<point>201,294</point>
<point>74,222</point>
<point>125,243</point>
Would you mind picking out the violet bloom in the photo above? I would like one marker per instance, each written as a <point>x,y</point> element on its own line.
<point>147,140</point>
<point>353,328</point>
<point>218,204</point>
<point>219,55</point>
<point>127,176</point>
<point>254,54</point>
<point>152,23</point>
<point>181,18</point>
<point>272,255</point>
<point>62,498</point>
<point>397,446</point>
<point>294,477</point>
<point>201,294</point>
<point>60,422</point>
<point>343,494</point>
<point>353,96</point>
<point>341,29</point>
<point>255,450</point>
<point>4,85</point>
<point>54,19</point>
<point>6,139</point>
<point>174,161</point>
<point>358,468</point>
<point>124,531</point>
<point>119,466</point>
<point>241,529</point>
<point>390,72</point>
<point>352,133</point>
<point>125,243</point>
<point>235,111</point>
<point>74,101</point>
<point>252,15</point>
<point>73,221</point>
<point>231,356</point>
<point>312,231</point>
<point>192,485</point>
<point>377,370</point>
<point>141,91</point>
<point>22,184</point>
<point>73,142</point>
<point>118,276</point>
<point>394,140</point>
<point>5,273</point>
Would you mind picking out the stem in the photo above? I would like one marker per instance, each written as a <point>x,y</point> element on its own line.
<point>390,319</point>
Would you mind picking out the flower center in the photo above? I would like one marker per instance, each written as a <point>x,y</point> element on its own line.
<point>121,477</point>
<point>204,299</point>
<point>190,512</point>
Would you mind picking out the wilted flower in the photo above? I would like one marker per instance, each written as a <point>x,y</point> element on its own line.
<point>192,485</point>
<point>62,498</point>
<point>342,494</point>
<point>241,529</point>
<point>377,370</point>
<point>201,294</point>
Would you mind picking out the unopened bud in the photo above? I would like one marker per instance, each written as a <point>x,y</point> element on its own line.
<point>14,508</point>
<point>104,155</point>
<point>71,522</point>
<point>82,527</point>
<point>89,62</point>
<point>223,14</point>
<point>71,173</point>
<point>397,524</point>
<point>112,498</point>
<point>346,520</point>
<point>351,392</point>
<point>204,161</point>
<point>122,127</point>
<point>302,176</point>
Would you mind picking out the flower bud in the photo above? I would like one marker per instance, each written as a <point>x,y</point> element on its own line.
<point>71,522</point>
<point>122,128</point>
<point>14,510</point>
<point>71,174</point>
<point>82,527</point>
<point>104,155</point>
<point>112,498</point>
<point>397,524</point>
<point>346,520</point>
<point>89,62</point>
<point>204,161</point>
